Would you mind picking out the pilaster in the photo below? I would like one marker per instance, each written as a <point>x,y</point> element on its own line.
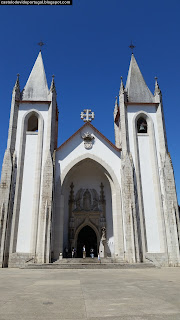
<point>43,239</point>
<point>117,124</point>
<point>171,212</point>
<point>52,120</point>
<point>5,192</point>
<point>160,120</point>
<point>123,120</point>
<point>13,117</point>
<point>129,209</point>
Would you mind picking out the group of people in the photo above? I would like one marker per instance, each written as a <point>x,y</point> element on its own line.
<point>73,253</point>
<point>67,253</point>
<point>91,253</point>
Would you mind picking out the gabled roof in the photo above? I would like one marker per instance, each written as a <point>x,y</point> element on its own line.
<point>136,87</point>
<point>96,130</point>
<point>36,87</point>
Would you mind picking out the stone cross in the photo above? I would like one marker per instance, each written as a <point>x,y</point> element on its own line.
<point>132,47</point>
<point>41,44</point>
<point>87,115</point>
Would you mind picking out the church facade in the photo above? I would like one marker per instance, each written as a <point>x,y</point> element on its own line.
<point>117,199</point>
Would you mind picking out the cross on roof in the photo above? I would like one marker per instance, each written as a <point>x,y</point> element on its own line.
<point>41,44</point>
<point>87,115</point>
<point>132,46</point>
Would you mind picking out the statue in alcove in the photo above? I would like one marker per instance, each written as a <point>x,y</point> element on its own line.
<point>87,200</point>
<point>103,234</point>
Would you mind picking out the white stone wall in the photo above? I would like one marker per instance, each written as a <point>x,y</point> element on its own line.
<point>148,191</point>
<point>149,155</point>
<point>101,149</point>
<point>23,109</point>
<point>131,112</point>
<point>28,186</point>
<point>29,181</point>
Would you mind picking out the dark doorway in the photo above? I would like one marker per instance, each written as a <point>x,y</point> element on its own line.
<point>86,237</point>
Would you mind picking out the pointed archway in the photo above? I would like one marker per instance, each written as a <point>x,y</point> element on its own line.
<point>87,237</point>
<point>88,172</point>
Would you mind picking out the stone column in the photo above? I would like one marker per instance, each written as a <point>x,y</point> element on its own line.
<point>5,190</point>
<point>129,210</point>
<point>171,214</point>
<point>46,200</point>
<point>61,229</point>
<point>118,226</point>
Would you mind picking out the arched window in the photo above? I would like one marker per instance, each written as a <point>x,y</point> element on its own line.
<point>142,125</point>
<point>33,123</point>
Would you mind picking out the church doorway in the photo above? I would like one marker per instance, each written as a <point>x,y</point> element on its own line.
<point>87,237</point>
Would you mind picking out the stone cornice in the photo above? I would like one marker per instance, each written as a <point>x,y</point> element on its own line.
<point>33,101</point>
<point>141,103</point>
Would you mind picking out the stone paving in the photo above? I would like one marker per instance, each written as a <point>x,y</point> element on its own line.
<point>132,294</point>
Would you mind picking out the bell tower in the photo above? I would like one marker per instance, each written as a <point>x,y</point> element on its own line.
<point>148,187</point>
<point>26,204</point>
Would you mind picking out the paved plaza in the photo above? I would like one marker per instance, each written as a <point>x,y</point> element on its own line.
<point>125,294</point>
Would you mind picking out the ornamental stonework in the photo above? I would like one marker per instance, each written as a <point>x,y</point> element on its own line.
<point>88,140</point>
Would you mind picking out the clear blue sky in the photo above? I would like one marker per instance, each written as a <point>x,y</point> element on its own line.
<point>87,50</point>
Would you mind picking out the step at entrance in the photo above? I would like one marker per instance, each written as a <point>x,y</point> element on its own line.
<point>89,263</point>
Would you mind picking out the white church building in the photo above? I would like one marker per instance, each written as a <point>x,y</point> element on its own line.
<point>119,199</point>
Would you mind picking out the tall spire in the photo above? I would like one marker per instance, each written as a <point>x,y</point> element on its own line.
<point>16,88</point>
<point>157,89</point>
<point>121,90</point>
<point>36,87</point>
<point>136,87</point>
<point>53,87</point>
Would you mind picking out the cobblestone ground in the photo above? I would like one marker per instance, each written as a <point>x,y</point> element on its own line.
<point>139,294</point>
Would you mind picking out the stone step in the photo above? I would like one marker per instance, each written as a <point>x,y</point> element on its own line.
<point>87,265</point>
<point>86,260</point>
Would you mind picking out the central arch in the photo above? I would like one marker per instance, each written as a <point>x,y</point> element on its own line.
<point>88,172</point>
<point>87,237</point>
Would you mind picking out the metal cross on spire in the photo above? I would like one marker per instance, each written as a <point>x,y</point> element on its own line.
<point>87,115</point>
<point>132,46</point>
<point>41,44</point>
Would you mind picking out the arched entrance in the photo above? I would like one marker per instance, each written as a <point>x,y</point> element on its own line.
<point>96,208</point>
<point>87,237</point>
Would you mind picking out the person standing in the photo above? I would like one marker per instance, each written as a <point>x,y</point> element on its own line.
<point>84,251</point>
<point>92,253</point>
<point>66,252</point>
<point>74,252</point>
<point>99,258</point>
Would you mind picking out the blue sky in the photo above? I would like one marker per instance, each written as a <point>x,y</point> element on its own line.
<point>87,50</point>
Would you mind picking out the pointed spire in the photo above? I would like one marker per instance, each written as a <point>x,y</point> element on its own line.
<point>36,87</point>
<point>136,87</point>
<point>53,87</point>
<point>157,89</point>
<point>121,86</point>
<point>17,87</point>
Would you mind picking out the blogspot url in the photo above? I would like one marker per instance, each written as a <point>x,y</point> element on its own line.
<point>41,2</point>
